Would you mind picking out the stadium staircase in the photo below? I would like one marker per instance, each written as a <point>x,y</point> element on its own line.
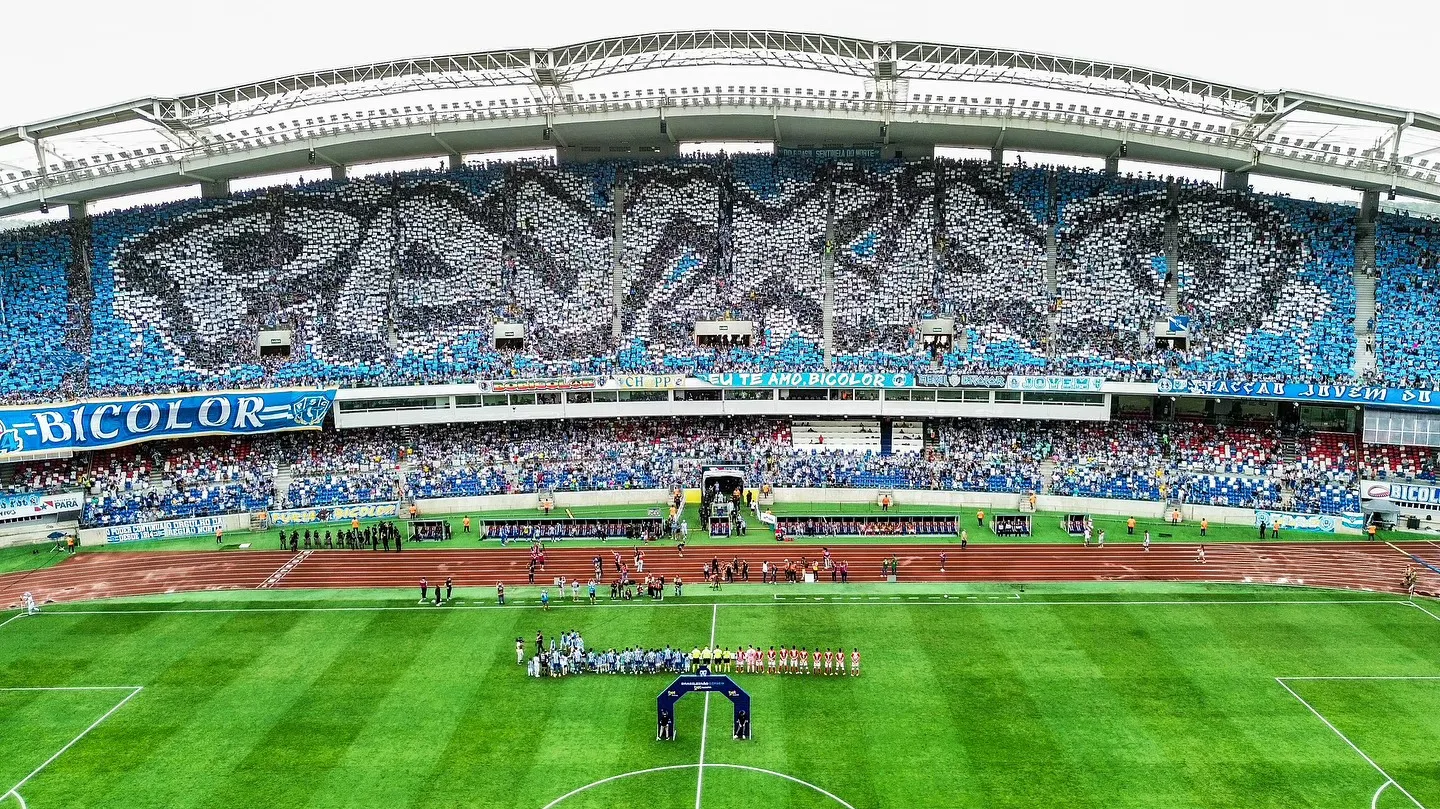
<point>1172,262</point>
<point>827,278</point>
<point>1052,286</point>
<point>284,475</point>
<point>617,254</point>
<point>1051,260</point>
<point>78,326</point>
<point>1364,308</point>
<point>1047,474</point>
<point>1289,456</point>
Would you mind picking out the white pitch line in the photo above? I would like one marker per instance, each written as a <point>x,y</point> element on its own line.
<point>22,800</point>
<point>1375,800</point>
<point>1411,603</point>
<point>603,781</point>
<point>1364,677</point>
<point>705,723</point>
<point>71,688</point>
<point>15,790</point>
<point>14,617</point>
<point>1347,741</point>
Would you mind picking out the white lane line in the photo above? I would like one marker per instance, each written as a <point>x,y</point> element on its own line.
<point>705,723</point>
<point>14,617</point>
<point>788,603</point>
<point>1347,741</point>
<point>15,790</point>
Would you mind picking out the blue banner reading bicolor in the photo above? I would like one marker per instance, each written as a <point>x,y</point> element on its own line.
<point>1300,392</point>
<point>811,380</point>
<point>102,424</point>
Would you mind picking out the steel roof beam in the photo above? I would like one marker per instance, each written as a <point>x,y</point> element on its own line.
<point>717,48</point>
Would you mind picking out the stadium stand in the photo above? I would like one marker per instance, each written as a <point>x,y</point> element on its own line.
<point>1390,462</point>
<point>1407,296</point>
<point>402,279</point>
<point>1191,463</point>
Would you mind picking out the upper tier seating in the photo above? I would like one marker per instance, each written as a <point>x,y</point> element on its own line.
<point>402,279</point>
<point>1407,298</point>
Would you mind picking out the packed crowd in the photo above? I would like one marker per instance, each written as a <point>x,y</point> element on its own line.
<point>1184,462</point>
<point>403,279</point>
<point>1407,296</point>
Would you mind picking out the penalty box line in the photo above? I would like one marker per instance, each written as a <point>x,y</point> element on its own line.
<point>1389,779</point>
<point>133,689</point>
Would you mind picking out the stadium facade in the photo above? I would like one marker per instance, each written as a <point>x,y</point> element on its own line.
<point>626,236</point>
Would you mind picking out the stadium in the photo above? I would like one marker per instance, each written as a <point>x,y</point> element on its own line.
<point>718,361</point>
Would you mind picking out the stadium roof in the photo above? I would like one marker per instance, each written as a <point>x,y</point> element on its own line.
<point>792,88</point>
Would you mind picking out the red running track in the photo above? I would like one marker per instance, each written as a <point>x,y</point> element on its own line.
<point>1372,566</point>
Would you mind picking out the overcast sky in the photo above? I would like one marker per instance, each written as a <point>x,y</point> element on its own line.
<point>59,60</point>
<point>85,54</point>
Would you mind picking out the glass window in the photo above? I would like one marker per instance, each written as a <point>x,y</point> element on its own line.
<point>748,394</point>
<point>578,397</point>
<point>644,395</point>
<point>547,398</point>
<point>494,400</point>
<point>922,395</point>
<point>604,396</point>
<point>1064,398</point>
<point>804,394</point>
<point>1007,396</point>
<point>522,398</point>
<point>897,395</point>
<point>409,403</point>
<point>977,396</point>
<point>949,395</point>
<point>867,395</point>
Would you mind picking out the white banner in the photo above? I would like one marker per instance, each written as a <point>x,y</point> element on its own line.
<point>24,506</point>
<point>1318,523</point>
<point>1401,494</point>
<point>1059,384</point>
<point>192,527</point>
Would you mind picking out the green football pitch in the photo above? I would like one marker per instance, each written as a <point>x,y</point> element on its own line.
<point>985,696</point>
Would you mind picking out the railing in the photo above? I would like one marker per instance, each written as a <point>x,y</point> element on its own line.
<point>930,107</point>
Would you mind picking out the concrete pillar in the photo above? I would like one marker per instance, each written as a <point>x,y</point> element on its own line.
<point>1235,181</point>
<point>457,162</point>
<point>337,173</point>
<point>78,209</point>
<point>219,189</point>
<point>997,155</point>
<point>1112,165</point>
<point>1369,206</point>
